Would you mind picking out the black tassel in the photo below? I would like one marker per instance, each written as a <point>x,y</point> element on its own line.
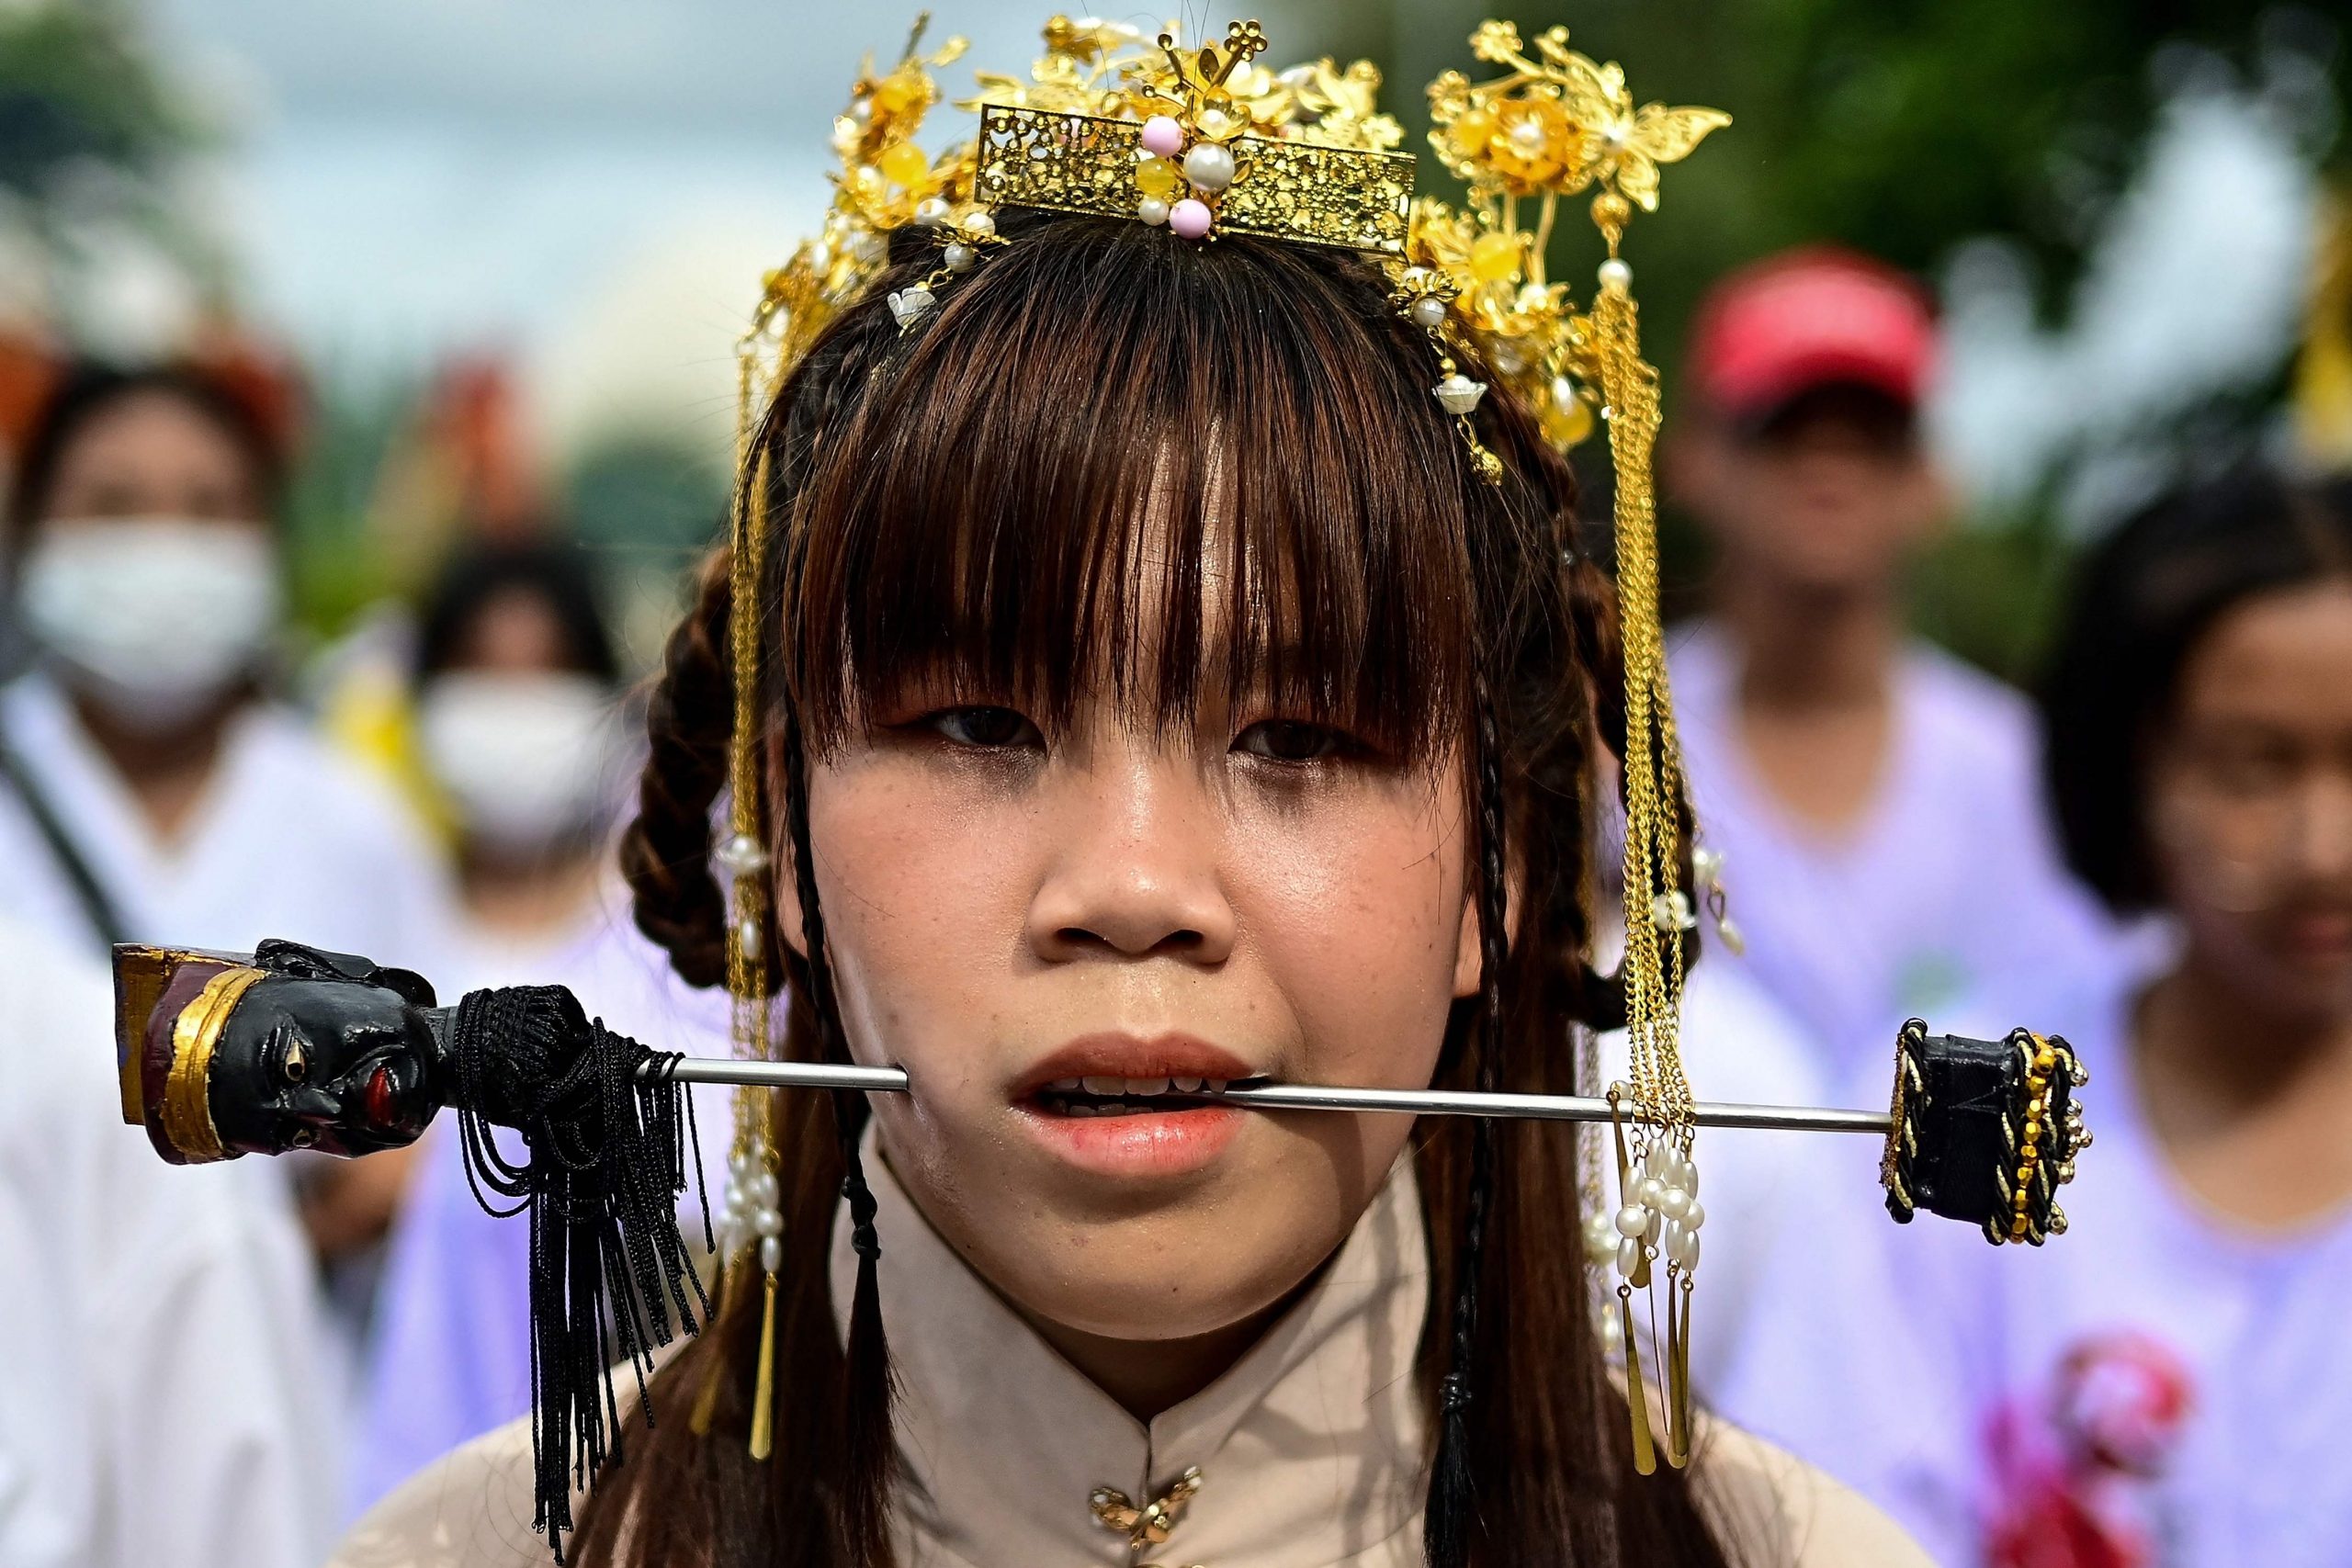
<point>604,1161</point>
<point>870,1390</point>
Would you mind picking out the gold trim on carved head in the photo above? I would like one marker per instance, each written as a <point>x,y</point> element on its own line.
<point>187,1092</point>
<point>142,972</point>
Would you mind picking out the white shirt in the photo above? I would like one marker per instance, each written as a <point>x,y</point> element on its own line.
<point>161,1404</point>
<point>290,841</point>
<point>2159,1387</point>
<point>1311,1449</point>
<point>1949,888</point>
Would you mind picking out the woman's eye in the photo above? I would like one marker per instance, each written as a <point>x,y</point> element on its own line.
<point>1291,740</point>
<point>295,1062</point>
<point>989,729</point>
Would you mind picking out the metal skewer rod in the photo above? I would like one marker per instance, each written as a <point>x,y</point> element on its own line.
<point>1305,1097</point>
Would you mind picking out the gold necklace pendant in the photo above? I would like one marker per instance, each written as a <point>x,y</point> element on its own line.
<point>1149,1524</point>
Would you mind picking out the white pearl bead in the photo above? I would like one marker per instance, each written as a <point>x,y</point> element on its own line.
<point>862,110</point>
<point>748,937</point>
<point>1457,394</point>
<point>771,1254</point>
<point>760,1190</point>
<point>1629,1256</point>
<point>1650,1192</point>
<point>1152,210</point>
<point>1615,275</point>
<point>1631,1220</point>
<point>767,1222</point>
<point>959,258</point>
<point>1654,1158</point>
<point>1695,1216</point>
<point>1428,312</point>
<point>1656,1228</point>
<point>742,855</point>
<point>1674,1203</point>
<point>978,223</point>
<point>1506,359</point>
<point>1686,1175</point>
<point>742,1162</point>
<point>1208,165</point>
<point>1683,1249</point>
<point>931,212</point>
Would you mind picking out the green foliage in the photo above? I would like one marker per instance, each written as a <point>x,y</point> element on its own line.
<point>1898,128</point>
<point>77,91</point>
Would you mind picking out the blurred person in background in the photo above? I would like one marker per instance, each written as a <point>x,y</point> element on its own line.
<point>521,719</point>
<point>2167,1384</point>
<point>1876,802</point>
<point>518,697</point>
<point>163,1406</point>
<point>150,788</point>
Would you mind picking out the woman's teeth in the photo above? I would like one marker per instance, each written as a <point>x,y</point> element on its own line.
<point>1100,1096</point>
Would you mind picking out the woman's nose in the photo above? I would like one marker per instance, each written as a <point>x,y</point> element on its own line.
<point>2322,841</point>
<point>1137,873</point>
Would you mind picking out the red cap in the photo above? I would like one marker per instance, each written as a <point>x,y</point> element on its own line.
<point>1805,319</point>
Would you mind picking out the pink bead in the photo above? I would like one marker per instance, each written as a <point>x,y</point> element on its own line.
<point>1189,217</point>
<point>1162,137</point>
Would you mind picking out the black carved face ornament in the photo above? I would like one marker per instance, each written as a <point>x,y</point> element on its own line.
<point>330,1064</point>
<point>290,1049</point>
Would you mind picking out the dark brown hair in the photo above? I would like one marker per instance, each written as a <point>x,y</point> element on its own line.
<point>2141,602</point>
<point>90,389</point>
<point>970,498</point>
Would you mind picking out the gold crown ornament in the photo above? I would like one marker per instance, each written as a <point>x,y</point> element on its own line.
<point>1205,142</point>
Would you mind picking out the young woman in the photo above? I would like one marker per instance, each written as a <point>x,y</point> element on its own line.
<point>148,783</point>
<point>519,712</point>
<point>155,786</point>
<point>1155,659</point>
<point>2166,1386</point>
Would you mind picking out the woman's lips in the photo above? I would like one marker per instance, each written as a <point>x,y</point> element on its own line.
<point>1098,1104</point>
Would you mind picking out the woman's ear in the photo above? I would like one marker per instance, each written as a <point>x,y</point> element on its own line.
<point>1469,946</point>
<point>1466,948</point>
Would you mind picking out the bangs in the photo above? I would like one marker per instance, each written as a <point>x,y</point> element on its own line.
<point>1114,466</point>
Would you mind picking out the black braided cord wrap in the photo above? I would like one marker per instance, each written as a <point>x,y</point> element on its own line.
<point>1453,1502</point>
<point>605,1158</point>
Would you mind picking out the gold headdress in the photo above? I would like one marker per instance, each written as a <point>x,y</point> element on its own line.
<point>1207,141</point>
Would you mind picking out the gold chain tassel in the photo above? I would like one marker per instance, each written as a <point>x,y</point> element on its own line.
<point>763,1399</point>
<point>1655,908</point>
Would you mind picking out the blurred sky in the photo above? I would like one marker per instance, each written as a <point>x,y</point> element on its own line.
<point>593,185</point>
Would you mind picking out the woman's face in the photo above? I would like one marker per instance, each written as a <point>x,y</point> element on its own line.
<point>2250,798</point>
<point>515,631</point>
<point>153,455</point>
<point>1008,910</point>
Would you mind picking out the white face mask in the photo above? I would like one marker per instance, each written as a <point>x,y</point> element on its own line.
<point>527,758</point>
<point>153,617</point>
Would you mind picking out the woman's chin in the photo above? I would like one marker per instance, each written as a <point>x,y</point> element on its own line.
<point>1155,1300</point>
